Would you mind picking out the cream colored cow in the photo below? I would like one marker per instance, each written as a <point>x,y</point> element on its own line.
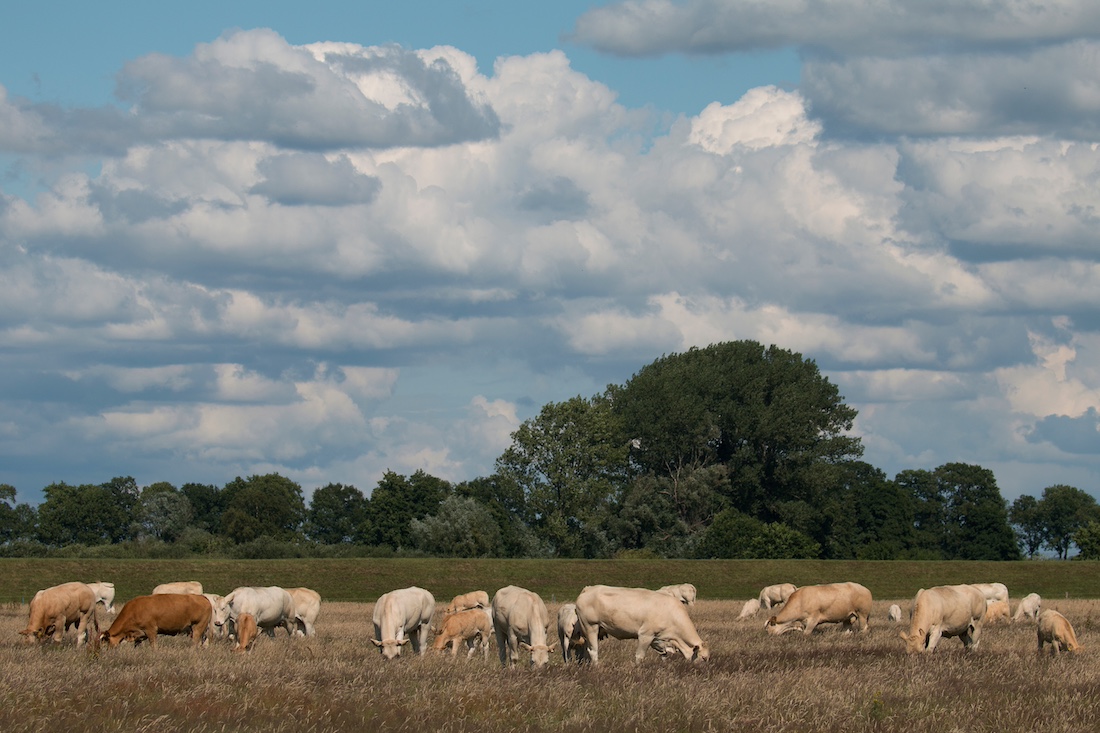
<point>945,610</point>
<point>1056,630</point>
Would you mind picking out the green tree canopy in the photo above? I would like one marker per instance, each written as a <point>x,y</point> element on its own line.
<point>335,513</point>
<point>976,515</point>
<point>262,506</point>
<point>1063,510</point>
<point>395,502</point>
<point>1027,520</point>
<point>162,512</point>
<point>89,514</point>
<point>462,527</point>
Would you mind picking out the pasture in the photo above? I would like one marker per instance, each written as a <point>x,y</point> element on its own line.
<point>337,681</point>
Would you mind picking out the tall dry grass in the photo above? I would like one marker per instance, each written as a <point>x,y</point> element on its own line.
<point>337,681</point>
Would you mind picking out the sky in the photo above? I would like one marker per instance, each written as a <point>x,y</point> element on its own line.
<point>242,238</point>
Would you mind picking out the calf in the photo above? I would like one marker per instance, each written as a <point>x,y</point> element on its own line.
<point>472,626</point>
<point>246,632</point>
<point>995,612</point>
<point>466,601</point>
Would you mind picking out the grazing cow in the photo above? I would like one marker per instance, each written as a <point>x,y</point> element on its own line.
<point>569,634</point>
<point>848,604</point>
<point>307,606</point>
<point>271,606</point>
<point>192,587</point>
<point>520,619</point>
<point>472,626</point>
<point>400,612</point>
<point>105,594</point>
<point>1028,608</point>
<point>750,609</point>
<point>466,601</point>
<point>684,593</point>
<point>246,632</point>
<point>995,612</point>
<point>654,619</point>
<point>1056,630</point>
<point>145,617</point>
<point>993,591</point>
<point>774,595</point>
<point>54,610</point>
<point>217,618</point>
<point>894,613</point>
<point>945,610</point>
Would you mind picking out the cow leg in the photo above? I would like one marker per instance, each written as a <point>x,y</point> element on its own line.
<point>934,635</point>
<point>151,635</point>
<point>501,650</point>
<point>809,625</point>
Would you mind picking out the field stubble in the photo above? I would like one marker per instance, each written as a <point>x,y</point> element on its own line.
<point>337,681</point>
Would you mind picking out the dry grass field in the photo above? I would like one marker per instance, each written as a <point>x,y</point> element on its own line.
<point>337,681</point>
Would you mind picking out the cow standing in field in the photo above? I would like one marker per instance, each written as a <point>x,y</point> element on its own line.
<point>271,606</point>
<point>750,609</point>
<point>1056,630</point>
<point>945,610</point>
<point>104,595</point>
<point>188,587</point>
<point>307,607</point>
<point>775,595</point>
<point>53,610</point>
<point>1028,607</point>
<point>520,619</point>
<point>466,601</point>
<point>848,604</point>
<point>407,611</point>
<point>684,593</point>
<point>470,627</point>
<point>145,617</point>
<point>656,620</point>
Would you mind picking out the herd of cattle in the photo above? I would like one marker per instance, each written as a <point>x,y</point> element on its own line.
<point>519,620</point>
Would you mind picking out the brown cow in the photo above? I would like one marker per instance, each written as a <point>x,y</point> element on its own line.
<point>54,610</point>
<point>465,626</point>
<point>848,604</point>
<point>246,632</point>
<point>165,613</point>
<point>473,599</point>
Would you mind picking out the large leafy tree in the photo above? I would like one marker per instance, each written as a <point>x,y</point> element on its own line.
<point>976,514</point>
<point>335,513</point>
<point>765,413</point>
<point>207,505</point>
<point>162,512</point>
<point>1063,510</point>
<point>569,461</point>
<point>395,502</point>
<point>505,501</point>
<point>929,504</point>
<point>1027,520</point>
<point>89,514</point>
<point>869,517</point>
<point>462,527</point>
<point>270,505</point>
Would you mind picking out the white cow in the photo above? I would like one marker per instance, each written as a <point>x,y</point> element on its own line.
<point>192,587</point>
<point>750,609</point>
<point>654,619</point>
<point>993,591</point>
<point>104,594</point>
<point>569,633</point>
<point>894,613</point>
<point>945,610</point>
<point>400,612</point>
<point>520,619</point>
<point>848,604</point>
<point>1029,608</point>
<point>307,606</point>
<point>217,616</point>
<point>774,595</point>
<point>271,606</point>
<point>684,593</point>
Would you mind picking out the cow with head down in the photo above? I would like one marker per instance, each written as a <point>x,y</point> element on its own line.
<point>271,606</point>
<point>53,610</point>
<point>400,617</point>
<point>146,617</point>
<point>775,595</point>
<point>520,620</point>
<point>466,601</point>
<point>104,594</point>
<point>655,619</point>
<point>246,632</point>
<point>848,604</point>
<point>470,627</point>
<point>945,610</point>
<point>1056,630</point>
<point>191,587</point>
<point>683,592</point>
<point>307,607</point>
<point>1028,608</point>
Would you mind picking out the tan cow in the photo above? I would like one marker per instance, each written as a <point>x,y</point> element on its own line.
<point>848,604</point>
<point>104,594</point>
<point>684,593</point>
<point>996,612</point>
<point>192,587</point>
<point>54,610</point>
<point>471,627</point>
<point>1028,607</point>
<point>400,612</point>
<point>520,619</point>
<point>307,607</point>
<point>993,591</point>
<point>945,610</point>
<point>774,595</point>
<point>750,609</point>
<point>1056,630</point>
<point>145,617</point>
<point>654,619</point>
<point>569,634</point>
<point>247,632</point>
<point>466,601</point>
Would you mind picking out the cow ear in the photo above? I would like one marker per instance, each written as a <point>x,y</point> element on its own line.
<point>403,642</point>
<point>552,647</point>
<point>525,645</point>
<point>376,642</point>
<point>904,635</point>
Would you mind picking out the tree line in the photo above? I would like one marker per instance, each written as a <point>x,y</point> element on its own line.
<point>734,450</point>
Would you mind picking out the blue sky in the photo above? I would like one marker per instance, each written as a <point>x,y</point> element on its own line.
<point>249,237</point>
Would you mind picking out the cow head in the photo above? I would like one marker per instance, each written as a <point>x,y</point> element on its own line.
<point>700,653</point>
<point>540,653</point>
<point>390,647</point>
<point>915,641</point>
